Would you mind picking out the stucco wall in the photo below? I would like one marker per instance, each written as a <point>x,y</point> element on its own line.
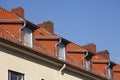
<point>32,69</point>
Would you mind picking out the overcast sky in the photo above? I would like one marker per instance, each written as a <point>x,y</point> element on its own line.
<point>80,21</point>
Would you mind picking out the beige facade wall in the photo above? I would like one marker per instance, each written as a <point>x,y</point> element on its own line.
<point>32,69</point>
<point>72,77</point>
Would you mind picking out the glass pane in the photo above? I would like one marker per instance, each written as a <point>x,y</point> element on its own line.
<point>61,51</point>
<point>109,73</point>
<point>14,76</point>
<point>88,65</point>
<point>9,75</point>
<point>21,77</point>
<point>27,37</point>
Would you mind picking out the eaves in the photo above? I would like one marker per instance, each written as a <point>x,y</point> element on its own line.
<point>49,59</point>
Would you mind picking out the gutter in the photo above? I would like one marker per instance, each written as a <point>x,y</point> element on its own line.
<point>54,61</point>
<point>60,40</point>
<point>19,32</point>
<point>83,58</point>
<point>60,72</point>
<point>106,69</point>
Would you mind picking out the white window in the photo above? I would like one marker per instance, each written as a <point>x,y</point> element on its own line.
<point>15,75</point>
<point>61,51</point>
<point>88,64</point>
<point>28,37</point>
<point>109,73</point>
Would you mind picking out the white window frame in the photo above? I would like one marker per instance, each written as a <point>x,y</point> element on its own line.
<point>109,72</point>
<point>19,76</point>
<point>88,64</point>
<point>28,34</point>
<point>61,51</point>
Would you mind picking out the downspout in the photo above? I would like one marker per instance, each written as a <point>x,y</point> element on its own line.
<point>107,68</point>
<point>60,71</point>
<point>83,64</point>
<point>56,46</point>
<point>19,32</point>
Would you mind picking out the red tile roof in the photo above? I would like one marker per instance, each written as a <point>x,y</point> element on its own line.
<point>45,41</point>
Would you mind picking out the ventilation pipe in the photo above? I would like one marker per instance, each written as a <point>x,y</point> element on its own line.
<point>83,58</point>
<point>60,71</point>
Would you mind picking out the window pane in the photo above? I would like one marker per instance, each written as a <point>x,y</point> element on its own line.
<point>88,63</point>
<point>61,51</point>
<point>27,37</point>
<point>9,75</point>
<point>15,76</point>
<point>109,73</point>
<point>21,77</point>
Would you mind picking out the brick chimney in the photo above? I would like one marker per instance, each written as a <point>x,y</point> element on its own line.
<point>90,47</point>
<point>49,26</point>
<point>104,54</point>
<point>18,11</point>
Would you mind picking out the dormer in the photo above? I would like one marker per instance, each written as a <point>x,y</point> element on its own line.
<point>61,46</point>
<point>45,38</point>
<point>88,61</point>
<point>101,62</point>
<point>79,56</point>
<point>28,37</point>
<point>25,32</point>
<point>61,51</point>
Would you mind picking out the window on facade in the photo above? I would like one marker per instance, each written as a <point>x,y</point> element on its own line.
<point>28,37</point>
<point>88,64</point>
<point>61,51</point>
<point>15,75</point>
<point>109,72</point>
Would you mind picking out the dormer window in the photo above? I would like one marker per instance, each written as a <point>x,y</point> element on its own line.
<point>28,37</point>
<point>88,63</point>
<point>61,51</point>
<point>109,72</point>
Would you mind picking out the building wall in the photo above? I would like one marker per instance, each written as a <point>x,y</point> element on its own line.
<point>32,68</point>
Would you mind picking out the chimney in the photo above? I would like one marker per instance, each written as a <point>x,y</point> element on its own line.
<point>49,26</point>
<point>104,54</point>
<point>18,11</point>
<point>90,47</point>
